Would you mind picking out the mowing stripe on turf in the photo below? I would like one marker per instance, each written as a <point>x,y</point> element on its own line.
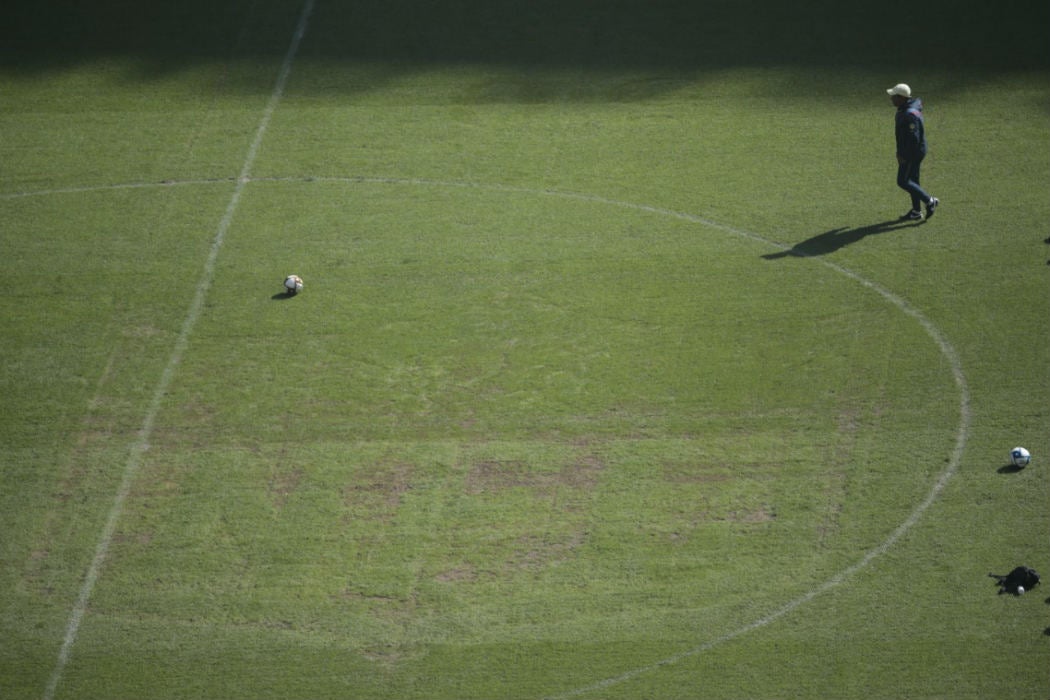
<point>141,444</point>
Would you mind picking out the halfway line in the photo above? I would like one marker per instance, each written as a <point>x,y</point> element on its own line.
<point>141,444</point>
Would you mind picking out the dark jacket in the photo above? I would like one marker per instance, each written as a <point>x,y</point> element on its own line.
<point>911,130</point>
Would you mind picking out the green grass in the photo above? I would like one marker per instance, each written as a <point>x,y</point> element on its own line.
<point>558,413</point>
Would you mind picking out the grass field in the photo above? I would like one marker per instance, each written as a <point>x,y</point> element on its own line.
<point>614,374</point>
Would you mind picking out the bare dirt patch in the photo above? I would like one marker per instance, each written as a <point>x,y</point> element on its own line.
<point>283,485</point>
<point>459,574</point>
<point>679,473</point>
<point>535,552</point>
<point>490,476</point>
<point>381,488</point>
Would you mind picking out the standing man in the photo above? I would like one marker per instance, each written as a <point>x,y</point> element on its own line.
<point>911,149</point>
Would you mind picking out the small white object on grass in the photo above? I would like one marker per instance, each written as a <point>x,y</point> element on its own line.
<point>293,284</point>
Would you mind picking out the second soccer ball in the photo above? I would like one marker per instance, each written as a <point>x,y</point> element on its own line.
<point>293,284</point>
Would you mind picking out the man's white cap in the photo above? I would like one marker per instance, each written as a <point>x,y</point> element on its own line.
<point>900,89</point>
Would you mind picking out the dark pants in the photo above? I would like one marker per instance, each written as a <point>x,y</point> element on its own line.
<point>908,180</point>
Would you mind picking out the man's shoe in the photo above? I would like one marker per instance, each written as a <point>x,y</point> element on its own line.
<point>913,215</point>
<point>931,207</point>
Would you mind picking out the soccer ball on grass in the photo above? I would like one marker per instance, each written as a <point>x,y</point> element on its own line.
<point>1020,457</point>
<point>293,284</point>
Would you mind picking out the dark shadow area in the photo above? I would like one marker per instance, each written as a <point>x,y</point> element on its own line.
<point>1020,581</point>
<point>688,37</point>
<point>1009,469</point>
<point>283,296</point>
<point>830,241</point>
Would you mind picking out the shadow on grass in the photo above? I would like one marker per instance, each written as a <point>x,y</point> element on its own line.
<point>1009,469</point>
<point>672,39</point>
<point>283,296</point>
<point>837,238</point>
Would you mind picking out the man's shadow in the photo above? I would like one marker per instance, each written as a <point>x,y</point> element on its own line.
<point>836,238</point>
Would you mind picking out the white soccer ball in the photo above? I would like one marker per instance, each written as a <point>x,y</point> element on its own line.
<point>1020,590</point>
<point>293,283</point>
<point>1020,457</point>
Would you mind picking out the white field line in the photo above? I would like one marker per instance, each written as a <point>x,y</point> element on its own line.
<point>945,347</point>
<point>118,186</point>
<point>141,444</point>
